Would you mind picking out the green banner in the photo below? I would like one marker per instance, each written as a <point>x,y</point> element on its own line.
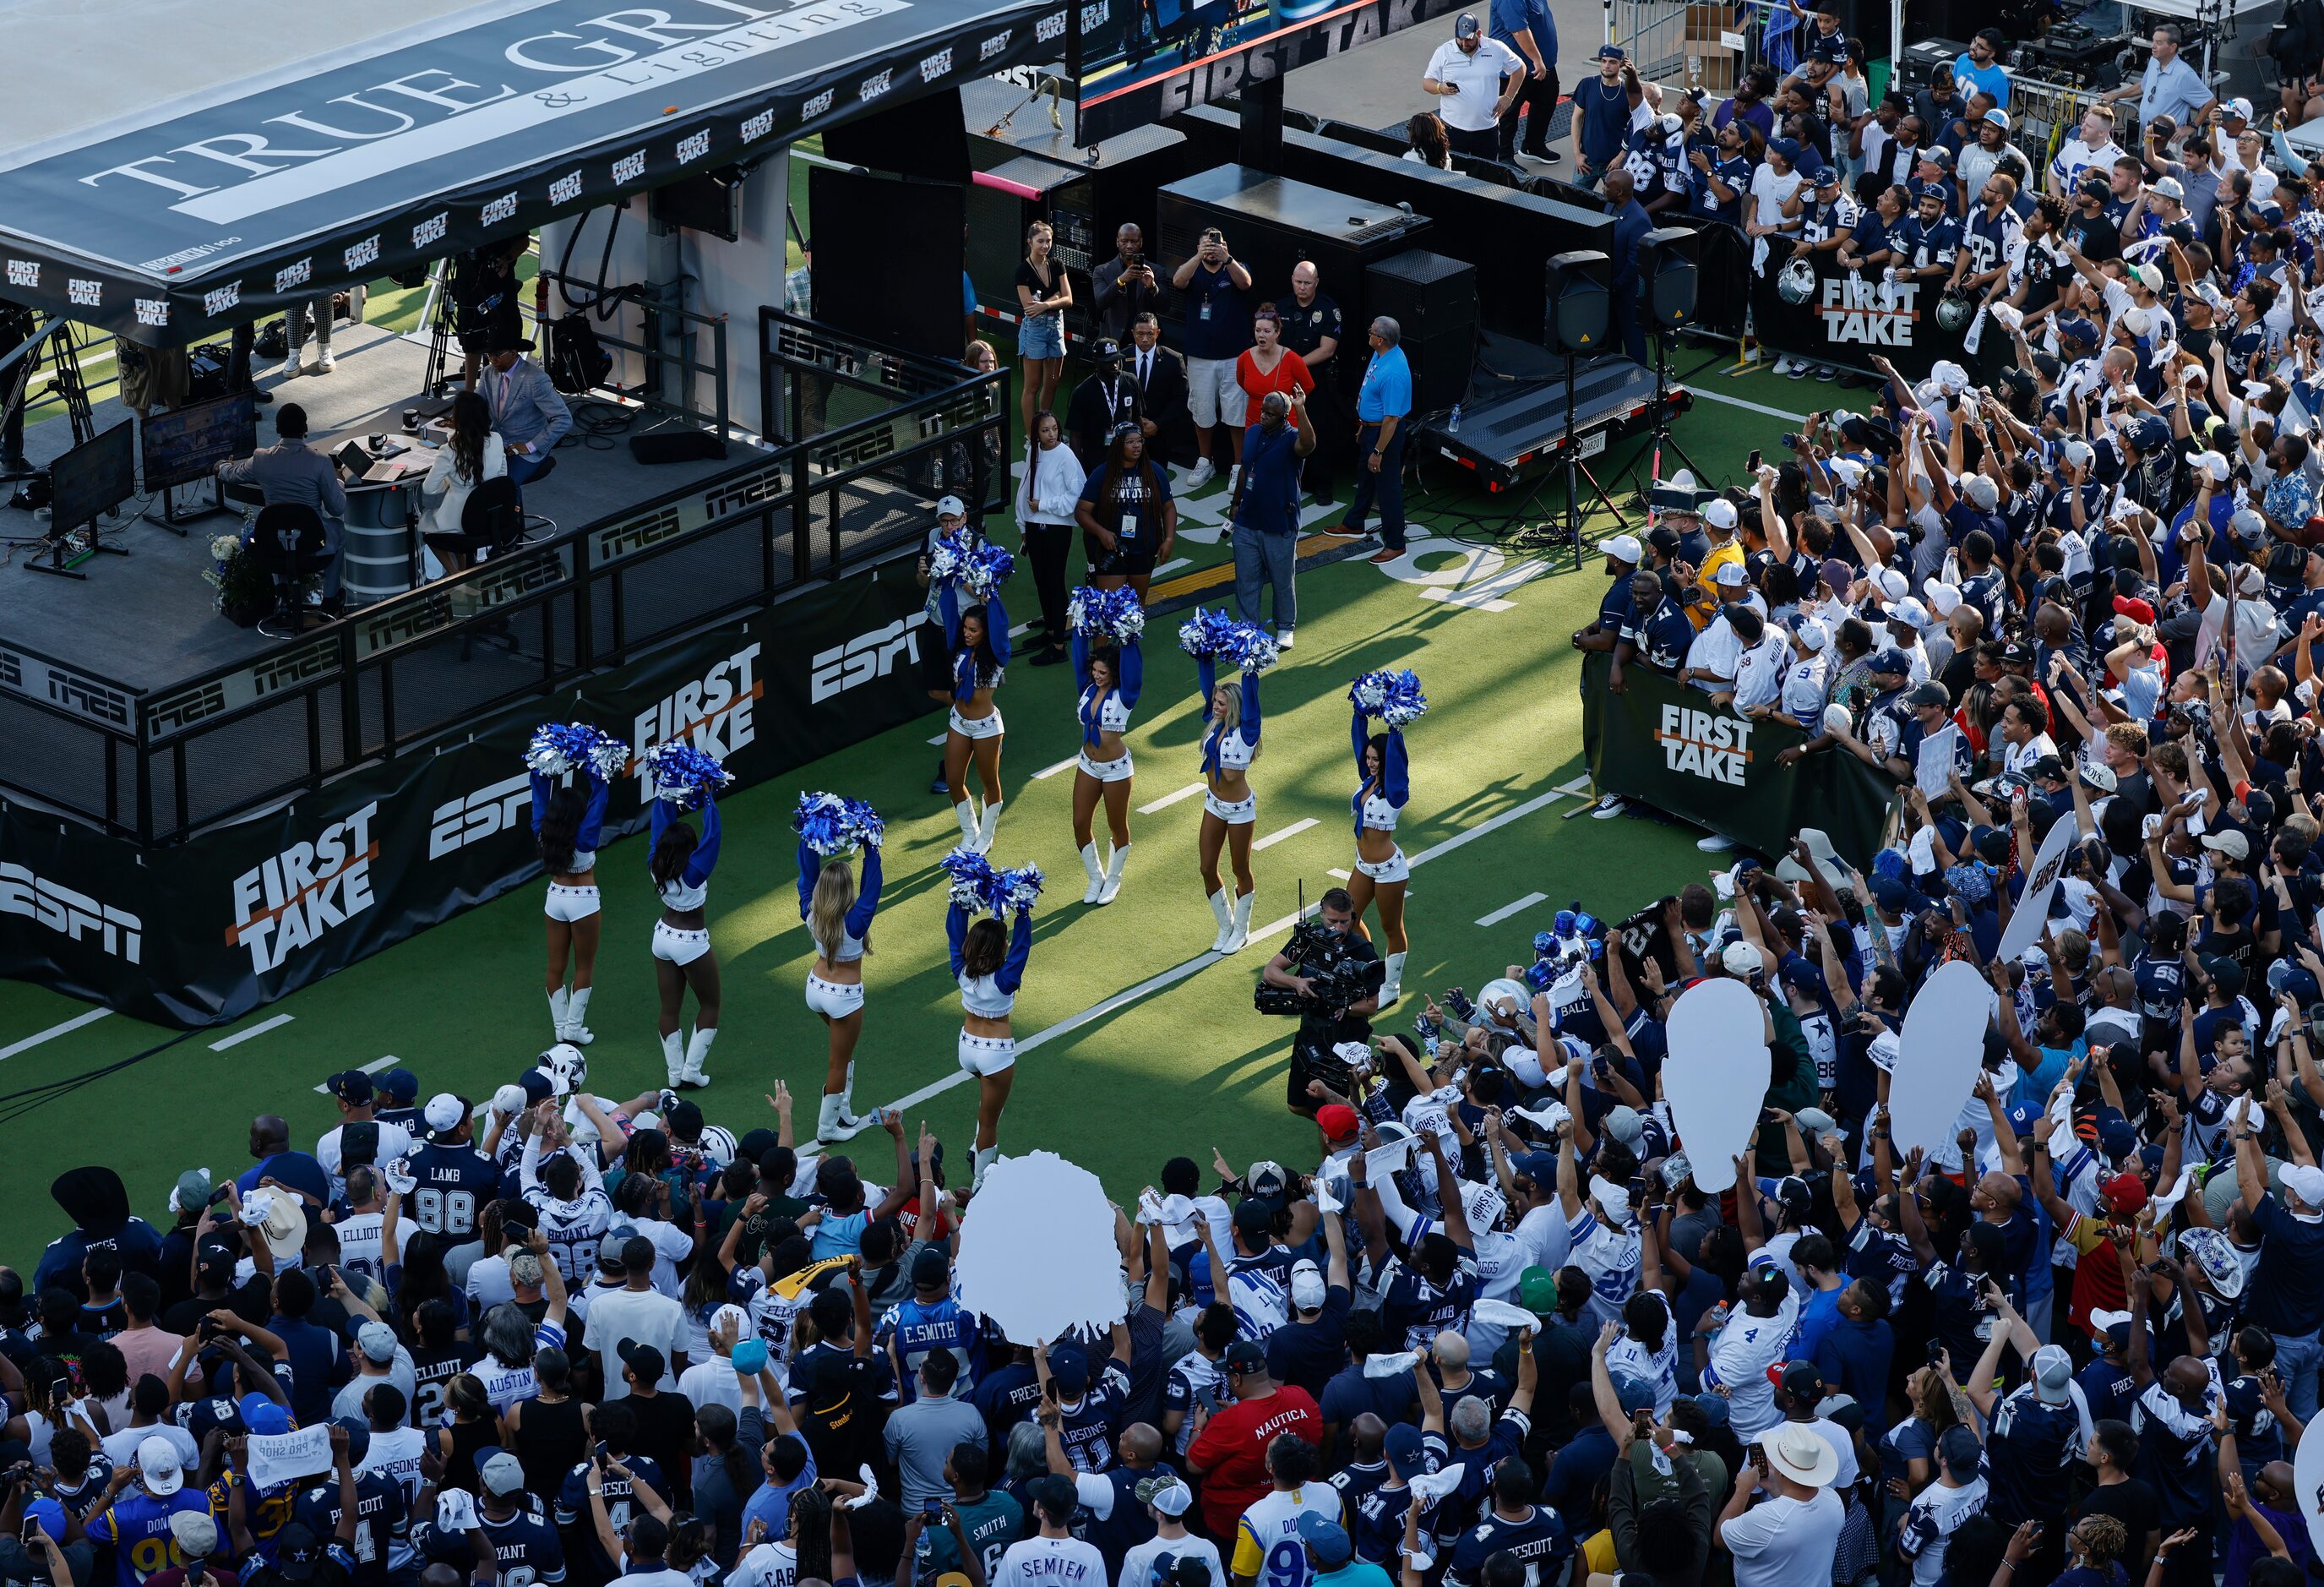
<point>1667,746</point>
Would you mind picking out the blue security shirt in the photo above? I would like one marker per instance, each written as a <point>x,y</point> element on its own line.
<point>1387,392</point>
<point>1987,80</point>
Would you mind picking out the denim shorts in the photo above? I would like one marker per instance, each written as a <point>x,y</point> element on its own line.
<point>1043,336</point>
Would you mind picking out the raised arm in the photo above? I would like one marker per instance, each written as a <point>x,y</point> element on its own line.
<point>1011,974</point>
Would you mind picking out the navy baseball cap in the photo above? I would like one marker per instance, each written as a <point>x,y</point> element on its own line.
<point>1893,660</point>
<point>399,1086</point>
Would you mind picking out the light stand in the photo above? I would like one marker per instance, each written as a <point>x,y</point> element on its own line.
<point>1576,316</point>
<point>1572,500</point>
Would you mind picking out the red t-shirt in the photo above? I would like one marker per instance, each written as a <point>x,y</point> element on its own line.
<point>1289,375</point>
<point>1231,1450</point>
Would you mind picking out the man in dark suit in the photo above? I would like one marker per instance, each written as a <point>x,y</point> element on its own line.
<point>1161,382</point>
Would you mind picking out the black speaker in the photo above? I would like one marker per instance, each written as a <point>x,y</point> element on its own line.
<point>1668,275</point>
<point>1434,302</point>
<point>1578,285</point>
<point>924,137</point>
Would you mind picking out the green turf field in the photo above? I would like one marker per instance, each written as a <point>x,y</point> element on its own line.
<point>1148,1053</point>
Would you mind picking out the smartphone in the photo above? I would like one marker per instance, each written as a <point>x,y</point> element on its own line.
<point>1936,1349</point>
<point>934,1510</point>
<point>1759,1460</point>
<point>1751,464</point>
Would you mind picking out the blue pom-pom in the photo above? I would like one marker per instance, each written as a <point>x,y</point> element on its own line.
<point>1253,648</point>
<point>820,820</point>
<point>1016,890</point>
<point>1404,703</point>
<point>983,569</point>
<point>972,877</point>
<point>944,562</point>
<point>559,747</point>
<point>683,774</point>
<point>863,822</point>
<point>1083,608</point>
<point>1368,692</point>
<point>1205,634</point>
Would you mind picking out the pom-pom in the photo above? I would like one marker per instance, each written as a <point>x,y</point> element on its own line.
<point>821,821</point>
<point>944,562</point>
<point>1124,614</point>
<point>1081,609</point>
<point>1253,650</point>
<point>1368,692</point>
<point>558,747</point>
<point>1395,697</point>
<point>1206,632</point>
<point>972,877</point>
<point>1016,890</point>
<point>983,569</point>
<point>683,774</point>
<point>863,824</point>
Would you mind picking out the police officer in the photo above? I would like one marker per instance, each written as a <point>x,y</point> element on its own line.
<point>1312,328</point>
<point>1319,947</point>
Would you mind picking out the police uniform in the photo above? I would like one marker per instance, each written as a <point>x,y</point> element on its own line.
<point>1304,329</point>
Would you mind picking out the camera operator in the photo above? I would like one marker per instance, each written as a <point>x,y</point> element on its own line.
<point>1336,974</point>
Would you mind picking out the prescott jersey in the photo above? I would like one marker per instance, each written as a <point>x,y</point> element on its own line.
<point>1540,1540</point>
<point>1267,1539</point>
<point>450,1187</point>
<point>573,1507</point>
<point>915,1331</point>
<point>382,1530</point>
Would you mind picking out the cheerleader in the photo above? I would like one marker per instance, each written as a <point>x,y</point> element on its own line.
<point>565,824</point>
<point>838,916</point>
<point>682,862</point>
<point>989,962</point>
<point>976,638</point>
<point>1229,807</point>
<point>1110,678</point>
<point>1383,785</point>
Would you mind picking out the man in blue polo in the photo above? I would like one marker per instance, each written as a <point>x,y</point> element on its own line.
<point>1382,403</point>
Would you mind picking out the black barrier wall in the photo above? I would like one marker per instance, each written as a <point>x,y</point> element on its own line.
<point>268,905</point>
<point>1669,747</point>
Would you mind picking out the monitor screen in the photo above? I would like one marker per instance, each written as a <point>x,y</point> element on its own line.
<point>183,446</point>
<point>94,476</point>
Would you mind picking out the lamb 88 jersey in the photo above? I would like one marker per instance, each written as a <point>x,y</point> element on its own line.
<point>451,1185</point>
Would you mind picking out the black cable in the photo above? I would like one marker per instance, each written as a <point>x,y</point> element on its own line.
<point>599,293</point>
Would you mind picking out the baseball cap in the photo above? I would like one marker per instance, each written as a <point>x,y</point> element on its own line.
<point>2228,842</point>
<point>1537,1291</point>
<point>2053,1374</point>
<point>1622,1122</point>
<point>2305,1181</point>
<point>377,1342</point>
<point>609,1250</point>
<point>1338,1121</point>
<point>2126,1193</point>
<point>950,507</point>
<point>1730,575</point>
<point>2137,610</point>
<point>2168,188</point>
<point>1165,1493</point>
<point>2238,109</point>
<point>351,1086</point>
<point>1466,26</point>
<point>1069,1365</point>
<point>1928,191</point>
<point>1720,514</point>
<point>1891,659</point>
<point>1927,694</point>
<point>261,1415</point>
<point>298,1550</point>
<point>1788,148</point>
<point>49,1516</point>
<point>1308,1286</point>
<point>193,1192</point>
<point>1828,177</point>
<point>501,1473</point>
<point>1998,116</point>
<point>157,1463</point>
<point>1611,52</point>
<point>443,1114</point>
<point>1404,1449</point>
<point>930,1267</point>
<point>749,1357</point>
<point>1961,1450</point>
<point>1253,1216</point>
<point>398,1086</point>
<point>1245,1356</point>
<point>1624,547</point>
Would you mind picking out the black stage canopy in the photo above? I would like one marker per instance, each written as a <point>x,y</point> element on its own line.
<point>298,174</point>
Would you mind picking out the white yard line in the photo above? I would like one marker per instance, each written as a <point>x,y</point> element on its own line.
<point>1506,910</point>
<point>374,1068</point>
<point>1046,772</point>
<point>53,1032</point>
<point>239,1037</point>
<point>1168,799</point>
<point>1272,838</point>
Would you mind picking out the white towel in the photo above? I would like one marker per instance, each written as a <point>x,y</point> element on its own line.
<point>1391,1366</point>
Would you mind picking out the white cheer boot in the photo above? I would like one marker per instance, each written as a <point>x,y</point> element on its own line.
<point>1225,912</point>
<point>1096,876</point>
<point>1114,866</point>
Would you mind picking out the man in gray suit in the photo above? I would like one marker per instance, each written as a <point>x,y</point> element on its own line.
<point>529,414</point>
<point>290,471</point>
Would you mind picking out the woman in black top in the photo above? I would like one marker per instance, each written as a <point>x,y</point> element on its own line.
<point>1127,516</point>
<point>548,1432</point>
<point>1043,295</point>
<point>474,1431</point>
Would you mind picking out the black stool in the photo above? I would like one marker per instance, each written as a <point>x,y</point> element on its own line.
<point>288,543</point>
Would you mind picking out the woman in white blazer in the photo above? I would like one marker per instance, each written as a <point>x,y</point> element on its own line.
<point>474,455</point>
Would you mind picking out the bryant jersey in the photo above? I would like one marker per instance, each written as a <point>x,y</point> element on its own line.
<point>381,1528</point>
<point>1986,240</point>
<point>450,1187</point>
<point>524,1547</point>
<point>915,1331</point>
<point>572,1227</point>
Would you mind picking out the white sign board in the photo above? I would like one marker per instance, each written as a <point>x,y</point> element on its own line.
<point>2032,911</point>
<point>1037,1251</point>
<point>1938,1057</point>
<point>1716,1075</point>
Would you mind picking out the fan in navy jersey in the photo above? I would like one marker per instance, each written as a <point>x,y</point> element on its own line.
<point>380,1527</point>
<point>2036,1434</point>
<point>399,1101</point>
<point>1930,239</point>
<point>1721,177</point>
<point>445,1181</point>
<point>931,1320</point>
<point>1089,1400</point>
<point>1433,1286</point>
<point>616,1426</point>
<point>1377,1517</point>
<point>1535,1534</point>
<point>2176,1436</point>
<point>513,1528</point>
<point>1983,266</point>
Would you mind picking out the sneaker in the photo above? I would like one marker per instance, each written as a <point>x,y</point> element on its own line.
<point>291,369</point>
<point>325,365</point>
<point>1607,809</point>
<point>1283,639</point>
<point>1826,371</point>
<point>1203,473</point>
<point>1798,370</point>
<point>1346,532</point>
<point>1235,478</point>
<point>1712,843</point>
<point>1551,155</point>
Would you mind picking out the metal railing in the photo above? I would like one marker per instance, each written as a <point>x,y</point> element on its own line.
<point>159,765</point>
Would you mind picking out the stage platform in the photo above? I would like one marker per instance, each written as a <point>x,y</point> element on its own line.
<point>147,619</point>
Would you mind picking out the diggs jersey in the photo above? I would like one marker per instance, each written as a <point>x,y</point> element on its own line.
<point>381,1527</point>
<point>916,1331</point>
<point>452,1184</point>
<point>1267,1539</point>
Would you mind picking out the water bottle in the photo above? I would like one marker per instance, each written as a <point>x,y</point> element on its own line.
<point>1453,425</point>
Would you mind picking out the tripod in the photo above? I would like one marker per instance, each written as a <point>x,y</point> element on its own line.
<point>439,329</point>
<point>66,384</point>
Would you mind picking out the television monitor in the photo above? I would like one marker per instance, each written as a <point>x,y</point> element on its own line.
<point>183,446</point>
<point>93,477</point>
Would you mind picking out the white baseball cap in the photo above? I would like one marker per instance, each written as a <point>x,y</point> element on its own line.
<point>158,1467</point>
<point>1720,514</point>
<point>1624,547</point>
<point>444,1110</point>
<point>951,507</point>
<point>1308,1286</point>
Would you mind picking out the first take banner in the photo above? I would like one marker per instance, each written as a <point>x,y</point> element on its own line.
<point>204,932</point>
<point>1667,746</point>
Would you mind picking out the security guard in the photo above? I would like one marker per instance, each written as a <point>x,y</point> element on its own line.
<point>1312,328</point>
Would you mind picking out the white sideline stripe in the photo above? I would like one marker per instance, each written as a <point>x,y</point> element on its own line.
<point>1272,838</point>
<point>239,1037</point>
<point>1178,973</point>
<point>1506,910</point>
<point>53,1032</point>
<point>1173,565</point>
<point>1168,799</point>
<point>942,736</point>
<point>374,1068</point>
<point>1046,772</point>
<point>1754,407</point>
<point>1340,874</point>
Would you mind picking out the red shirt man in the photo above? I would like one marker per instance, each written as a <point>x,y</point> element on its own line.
<point>1230,1453</point>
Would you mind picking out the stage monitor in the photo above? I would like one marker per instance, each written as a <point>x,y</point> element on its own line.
<point>93,477</point>
<point>1136,61</point>
<point>887,259</point>
<point>183,446</point>
<point>709,202</point>
<point>924,135</point>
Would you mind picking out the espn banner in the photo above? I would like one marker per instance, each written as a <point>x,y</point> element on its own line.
<point>204,932</point>
<point>1849,317</point>
<point>1667,746</point>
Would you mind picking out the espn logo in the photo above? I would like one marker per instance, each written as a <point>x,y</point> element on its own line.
<point>458,822</point>
<point>62,909</point>
<point>862,659</point>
